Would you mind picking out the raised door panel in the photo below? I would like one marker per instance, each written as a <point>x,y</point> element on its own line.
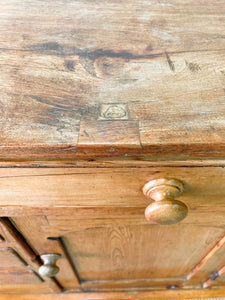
<point>129,256</point>
<point>144,251</point>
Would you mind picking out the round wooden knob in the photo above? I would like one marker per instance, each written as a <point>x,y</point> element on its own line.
<point>165,210</point>
<point>49,267</point>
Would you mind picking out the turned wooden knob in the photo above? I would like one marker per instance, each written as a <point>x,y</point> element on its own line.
<point>49,268</point>
<point>165,210</point>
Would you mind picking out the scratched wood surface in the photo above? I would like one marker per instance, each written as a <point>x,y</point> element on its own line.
<point>105,78</point>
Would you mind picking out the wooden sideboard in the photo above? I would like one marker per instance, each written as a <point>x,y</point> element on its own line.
<point>112,149</point>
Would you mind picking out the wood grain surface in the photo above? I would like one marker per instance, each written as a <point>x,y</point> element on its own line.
<point>105,78</point>
<point>118,187</point>
<point>139,252</point>
<point>82,85</point>
<point>152,295</point>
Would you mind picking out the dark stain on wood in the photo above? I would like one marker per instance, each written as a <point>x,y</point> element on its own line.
<point>193,67</point>
<point>170,63</point>
<point>214,275</point>
<point>85,132</point>
<point>59,112</point>
<point>88,66</point>
<point>63,104</point>
<point>64,51</point>
<point>69,64</point>
<point>52,238</point>
<point>45,101</point>
<point>172,287</point>
<point>149,48</point>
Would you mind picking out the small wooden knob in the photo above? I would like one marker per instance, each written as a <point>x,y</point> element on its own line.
<point>165,210</point>
<point>49,268</point>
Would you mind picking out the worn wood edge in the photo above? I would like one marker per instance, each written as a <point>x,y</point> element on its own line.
<point>64,152</point>
<point>205,259</point>
<point>213,277</point>
<point>119,162</point>
<point>157,295</point>
<point>138,284</point>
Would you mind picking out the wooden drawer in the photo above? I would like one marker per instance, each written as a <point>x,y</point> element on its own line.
<point>117,188</point>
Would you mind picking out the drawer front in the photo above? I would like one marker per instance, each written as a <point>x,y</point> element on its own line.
<point>119,187</point>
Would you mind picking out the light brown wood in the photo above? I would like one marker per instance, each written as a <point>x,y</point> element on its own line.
<point>165,210</point>
<point>19,277</point>
<point>147,284</point>
<point>10,259</point>
<point>214,261</point>
<point>216,279</point>
<point>124,252</point>
<point>21,250</point>
<point>109,79</point>
<point>98,216</point>
<point>117,257</point>
<point>209,255</point>
<point>33,229</point>
<point>98,98</point>
<point>65,224</point>
<point>156,295</point>
<point>117,162</point>
<point>30,285</point>
<point>80,187</point>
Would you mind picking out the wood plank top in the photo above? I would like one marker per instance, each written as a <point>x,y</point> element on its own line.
<point>83,79</point>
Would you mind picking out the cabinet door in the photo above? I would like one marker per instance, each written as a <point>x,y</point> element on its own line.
<point>132,255</point>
